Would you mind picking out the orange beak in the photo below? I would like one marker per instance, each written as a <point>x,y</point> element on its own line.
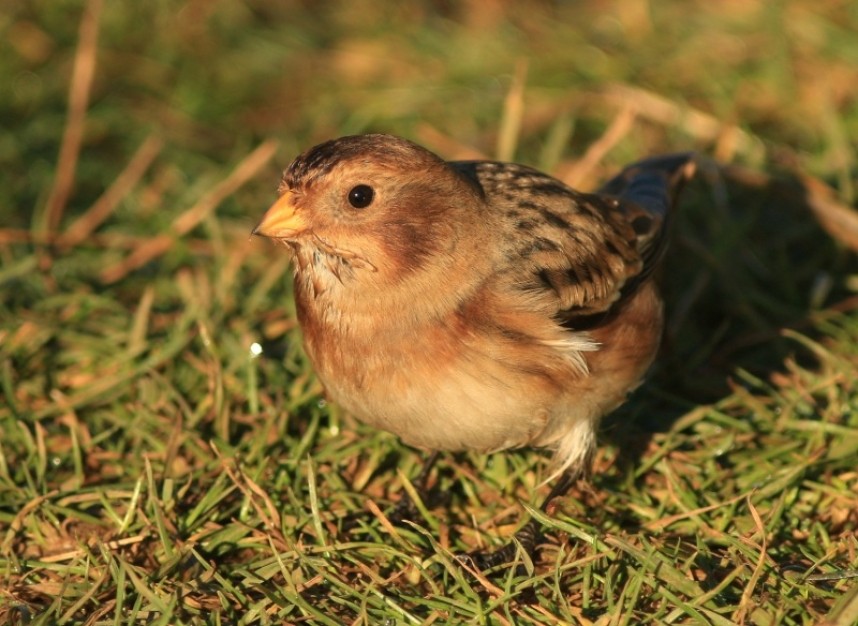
<point>281,221</point>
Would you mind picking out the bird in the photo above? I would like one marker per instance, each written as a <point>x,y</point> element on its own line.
<point>475,305</point>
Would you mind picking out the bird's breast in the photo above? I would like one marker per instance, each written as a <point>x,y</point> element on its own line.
<point>450,383</point>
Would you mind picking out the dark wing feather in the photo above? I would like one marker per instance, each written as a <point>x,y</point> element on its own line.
<point>647,191</point>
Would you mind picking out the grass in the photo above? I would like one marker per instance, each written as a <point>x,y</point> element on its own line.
<point>166,456</point>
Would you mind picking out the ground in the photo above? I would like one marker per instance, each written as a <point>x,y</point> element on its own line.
<point>166,454</point>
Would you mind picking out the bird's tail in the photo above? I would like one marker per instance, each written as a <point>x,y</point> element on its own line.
<point>653,184</point>
<point>647,191</point>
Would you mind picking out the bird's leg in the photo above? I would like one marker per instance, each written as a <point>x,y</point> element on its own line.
<point>406,509</point>
<point>529,535</point>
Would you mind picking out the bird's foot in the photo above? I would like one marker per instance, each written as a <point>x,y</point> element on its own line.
<point>404,509</point>
<point>526,539</point>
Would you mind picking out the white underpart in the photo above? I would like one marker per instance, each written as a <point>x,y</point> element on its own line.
<point>572,346</point>
<point>574,449</point>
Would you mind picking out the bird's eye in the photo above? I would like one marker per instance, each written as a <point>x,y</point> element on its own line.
<point>361,196</point>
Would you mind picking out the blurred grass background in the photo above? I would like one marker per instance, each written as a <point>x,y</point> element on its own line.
<point>154,470</point>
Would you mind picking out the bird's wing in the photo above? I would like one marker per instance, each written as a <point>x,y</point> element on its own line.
<point>587,251</point>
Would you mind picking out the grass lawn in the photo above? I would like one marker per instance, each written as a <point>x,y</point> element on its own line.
<point>166,454</point>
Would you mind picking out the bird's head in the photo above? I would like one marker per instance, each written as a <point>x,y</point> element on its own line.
<point>368,203</point>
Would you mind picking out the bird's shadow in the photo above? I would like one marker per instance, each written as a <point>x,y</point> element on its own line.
<point>748,259</point>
